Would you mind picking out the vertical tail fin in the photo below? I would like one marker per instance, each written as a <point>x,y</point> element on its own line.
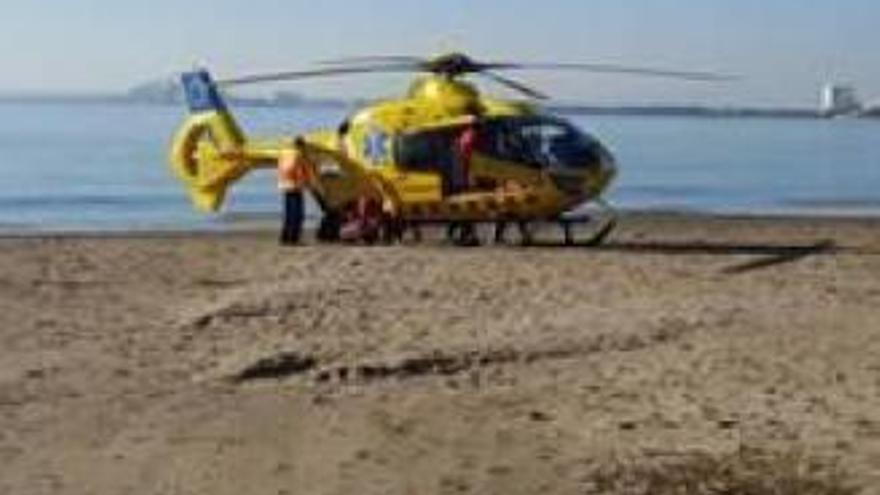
<point>207,153</point>
<point>201,93</point>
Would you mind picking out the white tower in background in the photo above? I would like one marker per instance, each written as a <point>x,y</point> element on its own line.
<point>839,100</point>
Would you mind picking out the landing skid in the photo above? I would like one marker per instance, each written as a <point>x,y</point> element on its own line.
<point>600,224</point>
<point>581,230</point>
<point>597,238</point>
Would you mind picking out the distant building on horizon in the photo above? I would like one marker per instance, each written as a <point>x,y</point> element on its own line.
<point>871,110</point>
<point>838,99</point>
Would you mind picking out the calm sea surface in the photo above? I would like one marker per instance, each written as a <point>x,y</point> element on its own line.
<point>99,167</point>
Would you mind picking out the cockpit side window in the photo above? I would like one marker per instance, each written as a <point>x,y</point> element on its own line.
<point>538,142</point>
<point>505,140</point>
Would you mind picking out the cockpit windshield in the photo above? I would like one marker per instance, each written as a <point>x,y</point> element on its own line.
<point>541,142</point>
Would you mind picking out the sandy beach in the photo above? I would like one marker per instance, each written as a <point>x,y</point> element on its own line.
<point>225,364</point>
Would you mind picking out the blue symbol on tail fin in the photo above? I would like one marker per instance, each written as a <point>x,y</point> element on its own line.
<point>201,92</point>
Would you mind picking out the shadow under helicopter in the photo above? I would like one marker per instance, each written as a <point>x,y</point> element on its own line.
<point>769,255</point>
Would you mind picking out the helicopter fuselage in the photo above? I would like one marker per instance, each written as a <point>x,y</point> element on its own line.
<point>406,153</point>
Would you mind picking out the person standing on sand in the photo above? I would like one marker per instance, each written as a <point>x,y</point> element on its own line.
<point>293,174</point>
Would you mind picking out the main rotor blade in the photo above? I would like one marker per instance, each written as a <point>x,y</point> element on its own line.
<point>459,63</point>
<point>306,74</point>
<point>450,63</point>
<point>510,83</point>
<point>614,69</point>
<point>394,59</point>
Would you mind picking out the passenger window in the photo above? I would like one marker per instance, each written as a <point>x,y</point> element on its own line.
<point>428,151</point>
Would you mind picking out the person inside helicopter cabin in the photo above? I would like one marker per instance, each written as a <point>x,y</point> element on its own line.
<point>464,145</point>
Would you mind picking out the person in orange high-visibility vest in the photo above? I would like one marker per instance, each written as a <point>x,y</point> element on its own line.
<point>294,173</point>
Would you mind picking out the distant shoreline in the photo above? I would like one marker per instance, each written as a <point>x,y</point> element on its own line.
<point>567,109</point>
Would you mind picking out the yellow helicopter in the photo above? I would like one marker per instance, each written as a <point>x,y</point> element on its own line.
<point>443,153</point>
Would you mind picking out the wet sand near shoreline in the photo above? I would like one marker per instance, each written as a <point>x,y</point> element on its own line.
<point>223,363</point>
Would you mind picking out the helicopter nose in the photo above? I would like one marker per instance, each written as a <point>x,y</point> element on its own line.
<point>603,172</point>
<point>608,163</point>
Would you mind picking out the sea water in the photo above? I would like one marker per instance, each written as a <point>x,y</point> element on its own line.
<point>104,167</point>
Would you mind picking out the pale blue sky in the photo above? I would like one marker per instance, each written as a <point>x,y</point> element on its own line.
<point>784,48</point>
